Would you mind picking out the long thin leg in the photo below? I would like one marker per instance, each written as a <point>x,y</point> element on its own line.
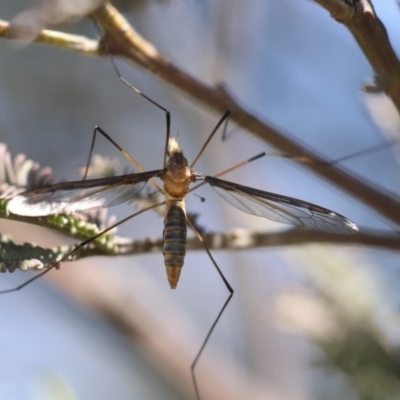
<point>223,118</point>
<point>79,246</point>
<point>140,93</point>
<point>224,134</point>
<point>167,113</point>
<point>381,146</point>
<point>231,292</point>
<point>97,129</point>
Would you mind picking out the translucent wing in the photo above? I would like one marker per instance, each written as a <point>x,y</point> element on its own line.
<point>280,208</point>
<point>75,196</point>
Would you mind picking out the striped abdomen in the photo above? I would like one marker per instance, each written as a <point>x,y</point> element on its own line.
<point>174,242</point>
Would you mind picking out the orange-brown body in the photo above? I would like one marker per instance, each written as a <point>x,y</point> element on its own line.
<point>177,178</point>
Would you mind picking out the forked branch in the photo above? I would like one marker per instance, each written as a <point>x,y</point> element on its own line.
<point>124,41</point>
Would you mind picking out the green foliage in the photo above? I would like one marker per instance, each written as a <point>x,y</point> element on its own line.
<point>18,174</point>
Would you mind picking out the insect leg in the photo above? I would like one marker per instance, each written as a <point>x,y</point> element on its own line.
<point>140,93</point>
<point>79,246</point>
<point>220,122</point>
<point>210,331</point>
<point>97,129</point>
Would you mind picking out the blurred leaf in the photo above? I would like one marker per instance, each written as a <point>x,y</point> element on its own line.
<point>26,256</point>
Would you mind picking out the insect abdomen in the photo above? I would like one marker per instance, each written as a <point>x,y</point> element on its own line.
<point>174,242</point>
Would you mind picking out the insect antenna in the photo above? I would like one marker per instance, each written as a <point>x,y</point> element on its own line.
<point>236,166</point>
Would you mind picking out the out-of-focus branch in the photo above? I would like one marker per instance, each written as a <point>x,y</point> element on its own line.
<point>237,239</point>
<point>124,41</point>
<point>62,40</point>
<point>19,173</point>
<point>242,239</point>
<point>368,30</point>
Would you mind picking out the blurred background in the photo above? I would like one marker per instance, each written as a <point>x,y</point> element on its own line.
<point>303,318</point>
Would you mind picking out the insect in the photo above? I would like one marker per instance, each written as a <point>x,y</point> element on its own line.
<point>177,176</point>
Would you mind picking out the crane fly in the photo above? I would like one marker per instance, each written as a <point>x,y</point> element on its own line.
<point>177,176</point>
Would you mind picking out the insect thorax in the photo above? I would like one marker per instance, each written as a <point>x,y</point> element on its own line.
<point>178,175</point>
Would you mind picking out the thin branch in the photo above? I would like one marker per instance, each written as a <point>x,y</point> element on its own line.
<point>123,40</point>
<point>368,30</point>
<point>242,239</point>
<point>61,40</point>
<point>237,239</point>
<point>339,9</point>
<point>73,226</point>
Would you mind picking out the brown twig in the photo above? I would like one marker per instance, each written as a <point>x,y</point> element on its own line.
<point>123,40</point>
<point>237,239</point>
<point>242,239</point>
<point>370,33</point>
<point>132,47</point>
<point>61,40</point>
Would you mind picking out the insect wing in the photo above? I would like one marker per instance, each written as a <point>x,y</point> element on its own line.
<point>71,197</point>
<point>281,208</point>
